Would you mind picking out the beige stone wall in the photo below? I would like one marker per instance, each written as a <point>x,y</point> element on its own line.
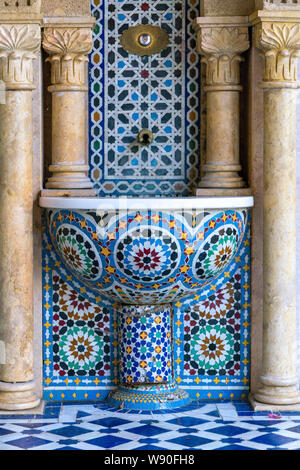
<point>66,7</point>
<point>227,7</point>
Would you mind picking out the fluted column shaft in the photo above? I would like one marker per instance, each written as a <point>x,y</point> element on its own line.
<point>221,47</point>
<point>279,43</point>
<point>68,50</point>
<point>18,47</point>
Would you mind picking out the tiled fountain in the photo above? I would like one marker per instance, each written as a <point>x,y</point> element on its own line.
<point>146,254</point>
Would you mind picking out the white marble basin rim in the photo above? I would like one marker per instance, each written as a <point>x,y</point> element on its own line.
<point>153,203</point>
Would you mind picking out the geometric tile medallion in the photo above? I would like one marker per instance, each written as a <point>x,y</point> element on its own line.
<point>210,334</point>
<point>81,334</point>
<point>129,93</point>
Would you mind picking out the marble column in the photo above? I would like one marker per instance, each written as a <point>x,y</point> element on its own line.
<point>280,44</point>
<point>68,49</point>
<point>19,45</point>
<point>221,46</point>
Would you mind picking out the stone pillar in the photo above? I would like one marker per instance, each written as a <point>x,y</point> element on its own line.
<point>68,47</point>
<point>19,44</point>
<point>221,44</point>
<point>280,45</point>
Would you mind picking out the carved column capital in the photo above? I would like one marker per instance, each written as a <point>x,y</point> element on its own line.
<point>280,44</point>
<point>19,45</point>
<point>221,48</point>
<point>68,49</point>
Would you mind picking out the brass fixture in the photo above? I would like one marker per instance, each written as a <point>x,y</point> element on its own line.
<point>144,39</point>
<point>145,137</point>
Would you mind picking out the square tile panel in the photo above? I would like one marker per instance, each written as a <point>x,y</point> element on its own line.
<point>211,334</point>
<point>129,93</point>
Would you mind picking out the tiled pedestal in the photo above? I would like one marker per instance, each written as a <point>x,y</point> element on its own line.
<point>145,360</point>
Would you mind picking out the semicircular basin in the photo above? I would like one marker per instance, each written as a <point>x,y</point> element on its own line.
<point>146,251</point>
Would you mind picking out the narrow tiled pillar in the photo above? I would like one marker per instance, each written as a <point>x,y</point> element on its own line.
<point>68,46</point>
<point>221,42</point>
<point>280,44</point>
<point>146,380</point>
<point>19,44</point>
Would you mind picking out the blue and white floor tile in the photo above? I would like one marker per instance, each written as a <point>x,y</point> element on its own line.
<point>200,426</point>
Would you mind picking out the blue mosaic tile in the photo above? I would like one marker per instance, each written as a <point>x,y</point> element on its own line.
<point>67,448</point>
<point>271,423</point>
<point>70,431</point>
<point>296,429</point>
<point>108,442</point>
<point>230,430</point>
<point>32,432</point>
<point>141,338</point>
<point>63,293</point>
<point>4,432</point>
<point>67,442</point>
<point>129,93</point>
<point>258,436</point>
<point>149,440</point>
<point>111,422</point>
<point>187,421</point>
<point>186,430</point>
<point>190,441</point>
<point>28,442</point>
<point>148,430</point>
<point>232,440</point>
<point>272,439</point>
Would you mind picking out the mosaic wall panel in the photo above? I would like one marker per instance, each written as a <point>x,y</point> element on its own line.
<point>129,93</point>
<point>211,334</point>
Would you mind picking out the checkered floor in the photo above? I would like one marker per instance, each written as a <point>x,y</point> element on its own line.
<point>199,426</point>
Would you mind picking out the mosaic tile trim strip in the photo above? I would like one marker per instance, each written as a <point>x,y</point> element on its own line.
<point>129,93</point>
<point>169,398</point>
<point>74,316</point>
